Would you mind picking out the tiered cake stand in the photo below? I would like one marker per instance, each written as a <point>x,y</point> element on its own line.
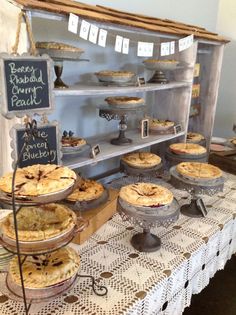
<point>121,114</point>
<point>196,208</point>
<point>146,218</point>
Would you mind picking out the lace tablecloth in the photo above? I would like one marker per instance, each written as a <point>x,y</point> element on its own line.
<point>155,283</point>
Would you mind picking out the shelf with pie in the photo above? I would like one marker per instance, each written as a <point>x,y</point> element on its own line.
<point>109,151</point>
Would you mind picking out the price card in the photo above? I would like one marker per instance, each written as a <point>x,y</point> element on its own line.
<point>165,49</point>
<point>141,81</point>
<point>145,128</point>
<point>177,128</point>
<point>73,23</point>
<point>125,46</point>
<point>93,34</point>
<point>119,43</point>
<point>95,151</point>
<point>102,37</point>
<point>84,29</point>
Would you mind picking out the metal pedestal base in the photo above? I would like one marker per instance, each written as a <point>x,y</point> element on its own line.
<point>121,141</point>
<point>146,242</point>
<point>58,83</point>
<point>158,77</point>
<point>192,210</point>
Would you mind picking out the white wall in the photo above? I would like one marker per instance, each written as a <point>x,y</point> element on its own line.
<point>226,107</point>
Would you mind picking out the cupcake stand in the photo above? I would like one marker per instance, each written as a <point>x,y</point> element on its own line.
<point>195,187</point>
<point>25,249</point>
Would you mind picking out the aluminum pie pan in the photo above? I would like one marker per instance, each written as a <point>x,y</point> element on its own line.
<point>60,54</point>
<point>119,79</point>
<point>162,65</point>
<point>131,170</point>
<point>155,213</point>
<point>39,295</point>
<point>44,246</point>
<point>41,199</point>
<point>185,155</point>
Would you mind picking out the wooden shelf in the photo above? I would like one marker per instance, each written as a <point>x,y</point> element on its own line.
<point>109,90</point>
<point>110,151</point>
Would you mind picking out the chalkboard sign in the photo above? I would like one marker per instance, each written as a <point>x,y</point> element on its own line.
<point>26,85</point>
<point>36,152</point>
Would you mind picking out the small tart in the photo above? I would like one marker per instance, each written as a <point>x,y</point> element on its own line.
<point>141,159</point>
<point>124,100</point>
<point>154,122</point>
<point>46,270</point>
<point>187,148</point>
<point>72,142</point>
<point>194,137</point>
<point>38,180</point>
<point>146,194</point>
<point>39,223</point>
<point>198,170</point>
<point>86,190</point>
<point>58,46</point>
<point>115,73</point>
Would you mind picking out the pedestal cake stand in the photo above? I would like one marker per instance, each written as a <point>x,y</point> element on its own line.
<point>146,218</point>
<point>196,187</point>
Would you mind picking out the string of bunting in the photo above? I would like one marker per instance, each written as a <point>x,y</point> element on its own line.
<point>96,35</point>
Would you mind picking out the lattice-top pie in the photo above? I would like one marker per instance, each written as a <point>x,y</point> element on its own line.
<point>38,180</point>
<point>124,100</point>
<point>39,222</point>
<point>146,194</point>
<point>58,46</point>
<point>46,270</point>
<point>197,170</point>
<point>194,137</point>
<point>141,159</point>
<point>86,190</point>
<point>187,148</point>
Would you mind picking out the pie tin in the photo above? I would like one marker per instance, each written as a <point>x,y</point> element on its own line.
<point>160,65</point>
<point>161,128</point>
<point>47,245</point>
<point>6,198</point>
<point>173,158</point>
<point>118,79</point>
<point>131,170</point>
<point>60,54</point>
<point>39,295</point>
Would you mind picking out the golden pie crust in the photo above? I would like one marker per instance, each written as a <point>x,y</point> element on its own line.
<point>187,148</point>
<point>86,190</point>
<point>118,73</point>
<point>141,159</point>
<point>38,180</point>
<point>146,194</point>
<point>233,141</point>
<point>58,46</point>
<point>194,137</point>
<point>197,170</point>
<point>72,142</point>
<point>38,223</point>
<point>46,270</point>
<point>124,100</point>
<point>154,122</point>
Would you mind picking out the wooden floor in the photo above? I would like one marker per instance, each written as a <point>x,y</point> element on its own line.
<point>219,297</point>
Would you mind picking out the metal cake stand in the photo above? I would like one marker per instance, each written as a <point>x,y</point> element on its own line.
<point>141,173</point>
<point>195,187</point>
<point>120,114</point>
<point>146,218</point>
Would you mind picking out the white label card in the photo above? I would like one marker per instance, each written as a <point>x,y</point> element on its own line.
<point>172,48</point>
<point>84,29</point>
<point>165,49</point>
<point>119,43</point>
<point>145,49</point>
<point>73,23</point>
<point>125,46</point>
<point>93,34</point>
<point>102,37</point>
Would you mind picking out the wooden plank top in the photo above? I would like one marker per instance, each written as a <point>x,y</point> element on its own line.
<point>109,15</point>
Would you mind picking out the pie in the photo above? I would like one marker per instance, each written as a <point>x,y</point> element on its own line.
<point>110,73</point>
<point>46,270</point>
<point>124,100</point>
<point>160,124</point>
<point>161,61</point>
<point>39,179</point>
<point>197,170</point>
<point>86,190</point>
<point>58,46</point>
<point>233,141</point>
<point>146,194</point>
<point>141,159</point>
<point>194,137</point>
<point>72,142</point>
<point>187,148</point>
<point>39,222</point>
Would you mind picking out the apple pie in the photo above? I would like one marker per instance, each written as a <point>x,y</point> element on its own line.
<point>58,46</point>
<point>197,170</point>
<point>124,100</point>
<point>38,180</point>
<point>160,124</point>
<point>86,190</point>
<point>141,159</point>
<point>38,223</point>
<point>194,137</point>
<point>46,270</point>
<point>187,148</point>
<point>146,194</point>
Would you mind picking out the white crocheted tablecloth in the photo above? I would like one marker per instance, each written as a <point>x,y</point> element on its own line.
<point>155,283</point>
